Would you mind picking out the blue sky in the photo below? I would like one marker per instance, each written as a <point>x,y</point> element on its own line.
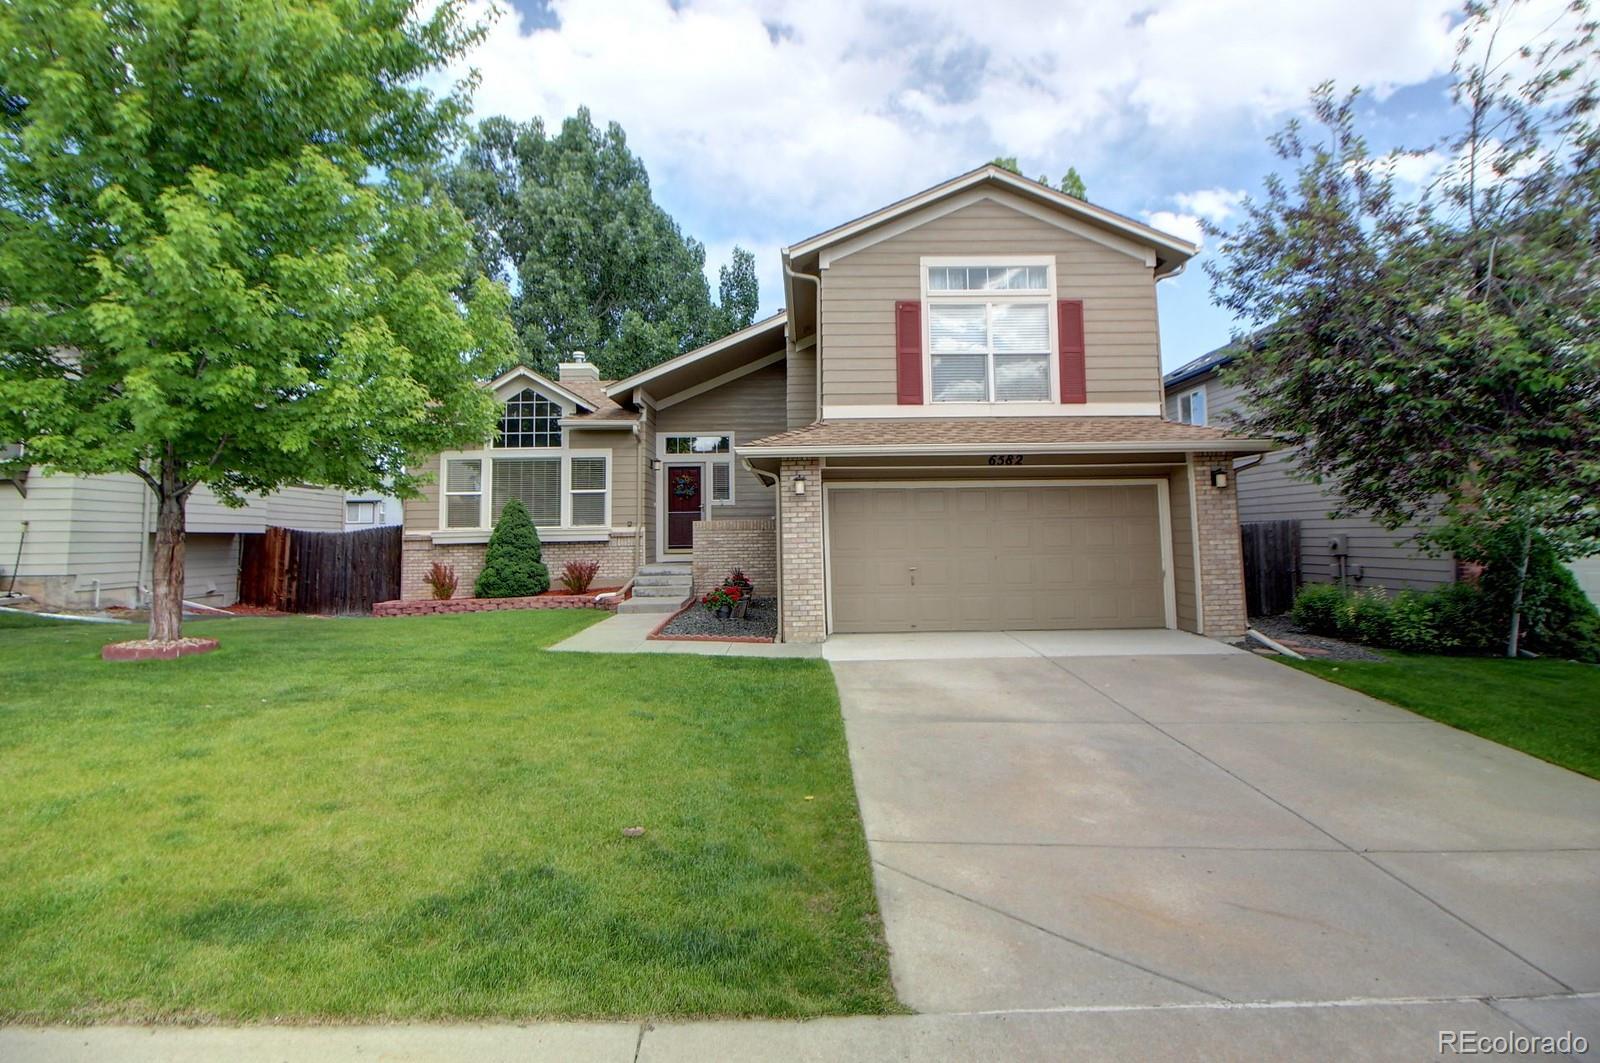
<point>762,123</point>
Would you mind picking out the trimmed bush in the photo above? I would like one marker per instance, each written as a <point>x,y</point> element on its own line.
<point>441,580</point>
<point>578,575</point>
<point>1558,618</point>
<point>1364,617</point>
<point>1317,608</point>
<point>511,566</point>
<point>1413,626</point>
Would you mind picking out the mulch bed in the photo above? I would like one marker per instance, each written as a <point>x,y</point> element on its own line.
<point>155,650</point>
<point>1318,647</point>
<point>699,624</point>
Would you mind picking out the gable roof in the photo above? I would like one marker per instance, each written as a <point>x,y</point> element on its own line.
<point>543,383</point>
<point>758,331</point>
<point>1171,252</point>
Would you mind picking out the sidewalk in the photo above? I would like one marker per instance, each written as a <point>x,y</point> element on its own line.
<point>1380,1030</point>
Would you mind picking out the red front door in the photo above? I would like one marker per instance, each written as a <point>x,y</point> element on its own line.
<point>683,505</point>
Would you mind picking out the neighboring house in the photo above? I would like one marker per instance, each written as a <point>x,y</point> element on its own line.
<point>371,510</point>
<point>1357,549</point>
<point>957,425</point>
<point>87,541</point>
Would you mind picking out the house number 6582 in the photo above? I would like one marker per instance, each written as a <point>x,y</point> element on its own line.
<point>1005,459</point>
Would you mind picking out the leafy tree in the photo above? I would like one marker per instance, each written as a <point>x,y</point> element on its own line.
<point>1071,183</point>
<point>595,264</point>
<point>219,262</point>
<point>738,293</point>
<point>1438,349</point>
<point>511,566</point>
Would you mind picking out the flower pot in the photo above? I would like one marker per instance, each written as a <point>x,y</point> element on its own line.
<point>739,607</point>
<point>724,611</point>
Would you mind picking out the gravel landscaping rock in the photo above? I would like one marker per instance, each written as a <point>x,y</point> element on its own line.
<point>1283,629</point>
<point>760,621</point>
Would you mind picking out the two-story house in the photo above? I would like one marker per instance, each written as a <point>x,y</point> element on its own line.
<point>956,425</point>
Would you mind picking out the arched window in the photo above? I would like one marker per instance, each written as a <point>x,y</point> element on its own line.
<point>530,420</point>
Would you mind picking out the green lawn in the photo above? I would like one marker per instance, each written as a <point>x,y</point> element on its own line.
<point>421,818</point>
<point>1550,709</point>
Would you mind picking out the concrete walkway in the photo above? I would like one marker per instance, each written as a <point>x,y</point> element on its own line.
<point>629,633</point>
<point>1375,1030</point>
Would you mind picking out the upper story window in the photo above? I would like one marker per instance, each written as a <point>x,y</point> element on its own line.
<point>990,330</point>
<point>529,420</point>
<point>1192,406</point>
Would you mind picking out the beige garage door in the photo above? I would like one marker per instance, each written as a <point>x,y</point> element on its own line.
<point>993,558</point>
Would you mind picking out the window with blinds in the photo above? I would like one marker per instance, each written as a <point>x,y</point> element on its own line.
<point>463,493</point>
<point>535,482</point>
<point>988,337</point>
<point>722,482</point>
<point>588,492</point>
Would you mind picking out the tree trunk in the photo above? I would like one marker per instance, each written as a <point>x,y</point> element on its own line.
<point>1516,598</point>
<point>166,581</point>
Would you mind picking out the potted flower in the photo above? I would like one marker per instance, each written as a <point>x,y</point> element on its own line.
<point>738,580</point>
<point>722,600</point>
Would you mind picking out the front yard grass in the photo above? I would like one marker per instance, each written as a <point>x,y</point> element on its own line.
<point>1547,708</point>
<point>421,818</point>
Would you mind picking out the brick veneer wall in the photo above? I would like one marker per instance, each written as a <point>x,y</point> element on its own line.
<point>1221,555</point>
<point>418,552</point>
<point>802,618</point>
<point>723,545</point>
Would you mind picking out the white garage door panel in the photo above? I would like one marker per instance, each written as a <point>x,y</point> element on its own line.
<point>989,558</point>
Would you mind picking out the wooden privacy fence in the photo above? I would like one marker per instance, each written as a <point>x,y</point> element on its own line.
<point>1271,565</point>
<point>320,572</point>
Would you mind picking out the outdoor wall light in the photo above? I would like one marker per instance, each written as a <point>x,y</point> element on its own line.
<point>1219,477</point>
<point>799,483</point>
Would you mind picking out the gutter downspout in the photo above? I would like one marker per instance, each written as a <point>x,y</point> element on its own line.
<point>816,325</point>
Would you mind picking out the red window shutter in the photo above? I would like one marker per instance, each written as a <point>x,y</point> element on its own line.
<point>1069,334</point>
<point>908,352</point>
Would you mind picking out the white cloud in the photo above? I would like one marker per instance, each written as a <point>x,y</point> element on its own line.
<point>1186,226</point>
<point>826,108</point>
<point>1215,205</point>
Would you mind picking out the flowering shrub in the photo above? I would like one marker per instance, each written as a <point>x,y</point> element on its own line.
<point>728,596</point>
<point>441,580</point>
<point>577,575</point>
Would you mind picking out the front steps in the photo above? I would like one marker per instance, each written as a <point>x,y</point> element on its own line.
<point>660,588</point>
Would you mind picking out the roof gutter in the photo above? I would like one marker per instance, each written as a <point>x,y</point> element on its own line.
<point>1239,446</point>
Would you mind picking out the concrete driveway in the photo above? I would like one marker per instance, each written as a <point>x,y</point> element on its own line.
<point>1199,828</point>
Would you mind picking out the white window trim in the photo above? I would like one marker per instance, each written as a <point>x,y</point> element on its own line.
<point>360,502</point>
<point>488,456</point>
<point>705,461</point>
<point>1205,406</point>
<point>1049,295</point>
<point>565,410</point>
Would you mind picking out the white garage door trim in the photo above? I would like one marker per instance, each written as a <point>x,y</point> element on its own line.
<point>1163,516</point>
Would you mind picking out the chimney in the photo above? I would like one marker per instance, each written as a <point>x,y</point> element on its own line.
<point>577,370</point>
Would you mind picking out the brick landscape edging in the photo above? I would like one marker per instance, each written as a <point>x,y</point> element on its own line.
<point>144,650</point>
<point>656,634</point>
<point>435,606</point>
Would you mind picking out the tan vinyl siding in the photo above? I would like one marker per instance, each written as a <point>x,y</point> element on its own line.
<point>802,388</point>
<point>859,292</point>
<point>421,514</point>
<point>623,469</point>
<point>753,406</point>
<point>211,568</point>
<point>1272,491</point>
<point>1183,550</point>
